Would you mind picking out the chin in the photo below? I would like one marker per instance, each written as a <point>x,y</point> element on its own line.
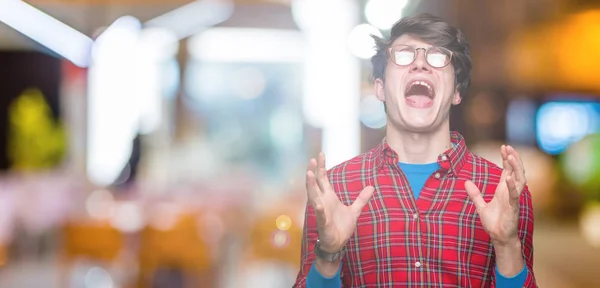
<point>420,127</point>
<point>423,120</point>
<point>419,117</point>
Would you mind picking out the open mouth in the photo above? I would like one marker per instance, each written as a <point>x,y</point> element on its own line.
<point>419,94</point>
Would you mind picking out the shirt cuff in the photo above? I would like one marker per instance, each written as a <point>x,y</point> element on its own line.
<point>516,281</point>
<point>314,279</point>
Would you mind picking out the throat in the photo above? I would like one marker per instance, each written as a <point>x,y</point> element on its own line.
<point>418,148</point>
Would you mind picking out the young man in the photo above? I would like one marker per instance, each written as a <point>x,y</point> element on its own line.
<point>419,210</point>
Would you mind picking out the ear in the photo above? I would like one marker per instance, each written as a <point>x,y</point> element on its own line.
<point>378,86</point>
<point>456,98</point>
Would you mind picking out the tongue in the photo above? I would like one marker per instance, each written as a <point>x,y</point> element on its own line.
<point>419,101</point>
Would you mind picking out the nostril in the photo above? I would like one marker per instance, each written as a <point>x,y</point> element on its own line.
<point>419,68</point>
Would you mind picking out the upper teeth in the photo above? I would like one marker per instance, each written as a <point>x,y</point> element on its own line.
<point>424,84</point>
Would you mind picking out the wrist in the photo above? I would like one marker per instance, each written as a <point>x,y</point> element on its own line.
<point>509,257</point>
<point>329,248</point>
<point>511,245</point>
<point>327,254</point>
<point>326,268</point>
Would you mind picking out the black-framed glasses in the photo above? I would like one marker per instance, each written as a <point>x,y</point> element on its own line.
<point>437,57</point>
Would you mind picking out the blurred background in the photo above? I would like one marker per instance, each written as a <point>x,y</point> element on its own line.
<point>154,143</point>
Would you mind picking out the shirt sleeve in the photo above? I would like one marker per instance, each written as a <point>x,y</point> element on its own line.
<point>510,282</point>
<point>309,238</point>
<point>316,280</point>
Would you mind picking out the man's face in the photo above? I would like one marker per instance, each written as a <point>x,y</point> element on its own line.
<point>418,96</point>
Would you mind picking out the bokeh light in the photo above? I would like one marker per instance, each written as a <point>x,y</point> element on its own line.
<point>590,223</point>
<point>384,13</point>
<point>561,123</point>
<point>361,42</point>
<point>581,164</point>
<point>100,204</point>
<point>280,239</point>
<point>283,222</point>
<point>98,277</point>
<point>372,112</point>
<point>163,216</point>
<point>128,217</point>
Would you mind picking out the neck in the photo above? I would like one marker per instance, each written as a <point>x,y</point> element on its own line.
<point>419,147</point>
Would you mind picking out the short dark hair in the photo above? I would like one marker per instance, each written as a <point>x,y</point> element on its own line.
<point>435,31</point>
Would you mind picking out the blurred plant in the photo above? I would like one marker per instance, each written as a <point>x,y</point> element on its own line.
<point>581,166</point>
<point>36,141</point>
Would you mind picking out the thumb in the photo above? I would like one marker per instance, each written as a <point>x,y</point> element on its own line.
<point>362,200</point>
<point>475,195</point>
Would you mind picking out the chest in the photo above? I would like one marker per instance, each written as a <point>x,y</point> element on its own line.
<point>437,238</point>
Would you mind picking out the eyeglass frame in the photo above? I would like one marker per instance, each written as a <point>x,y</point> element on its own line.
<point>425,51</point>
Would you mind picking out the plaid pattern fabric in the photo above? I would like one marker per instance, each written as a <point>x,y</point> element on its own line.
<point>435,241</point>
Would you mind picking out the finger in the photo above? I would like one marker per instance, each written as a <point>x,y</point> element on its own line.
<point>503,152</point>
<point>362,200</point>
<point>475,195</point>
<point>312,191</point>
<point>512,151</point>
<point>322,179</point>
<point>519,173</point>
<point>312,164</point>
<point>507,170</point>
<point>512,188</point>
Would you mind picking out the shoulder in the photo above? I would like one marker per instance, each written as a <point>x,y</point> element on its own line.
<point>356,166</point>
<point>351,176</point>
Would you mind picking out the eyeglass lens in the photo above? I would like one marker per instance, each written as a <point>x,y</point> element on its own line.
<point>435,57</point>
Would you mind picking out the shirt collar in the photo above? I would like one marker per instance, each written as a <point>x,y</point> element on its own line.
<point>452,160</point>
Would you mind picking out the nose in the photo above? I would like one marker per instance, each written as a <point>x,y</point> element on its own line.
<point>420,64</point>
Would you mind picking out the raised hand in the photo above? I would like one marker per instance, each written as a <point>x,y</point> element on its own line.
<point>336,222</point>
<point>500,217</point>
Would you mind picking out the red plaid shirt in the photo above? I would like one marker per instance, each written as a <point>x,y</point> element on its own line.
<point>434,241</point>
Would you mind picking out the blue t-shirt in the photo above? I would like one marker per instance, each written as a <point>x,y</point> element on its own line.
<point>417,175</point>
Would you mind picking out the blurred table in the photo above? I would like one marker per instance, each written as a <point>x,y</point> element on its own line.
<point>562,258</point>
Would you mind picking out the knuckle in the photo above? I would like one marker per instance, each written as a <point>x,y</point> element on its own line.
<point>319,208</point>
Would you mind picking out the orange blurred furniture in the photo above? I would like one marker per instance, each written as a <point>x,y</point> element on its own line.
<point>91,239</point>
<point>277,235</point>
<point>3,255</point>
<point>95,240</point>
<point>179,246</point>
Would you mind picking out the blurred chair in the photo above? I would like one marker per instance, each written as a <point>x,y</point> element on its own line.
<point>3,255</point>
<point>176,248</point>
<point>92,240</point>
<point>273,246</point>
<point>277,236</point>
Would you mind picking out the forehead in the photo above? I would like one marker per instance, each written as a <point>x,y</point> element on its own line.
<point>408,39</point>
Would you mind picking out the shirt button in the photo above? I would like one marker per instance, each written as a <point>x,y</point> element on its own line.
<point>437,175</point>
<point>416,215</point>
<point>417,264</point>
<point>444,158</point>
